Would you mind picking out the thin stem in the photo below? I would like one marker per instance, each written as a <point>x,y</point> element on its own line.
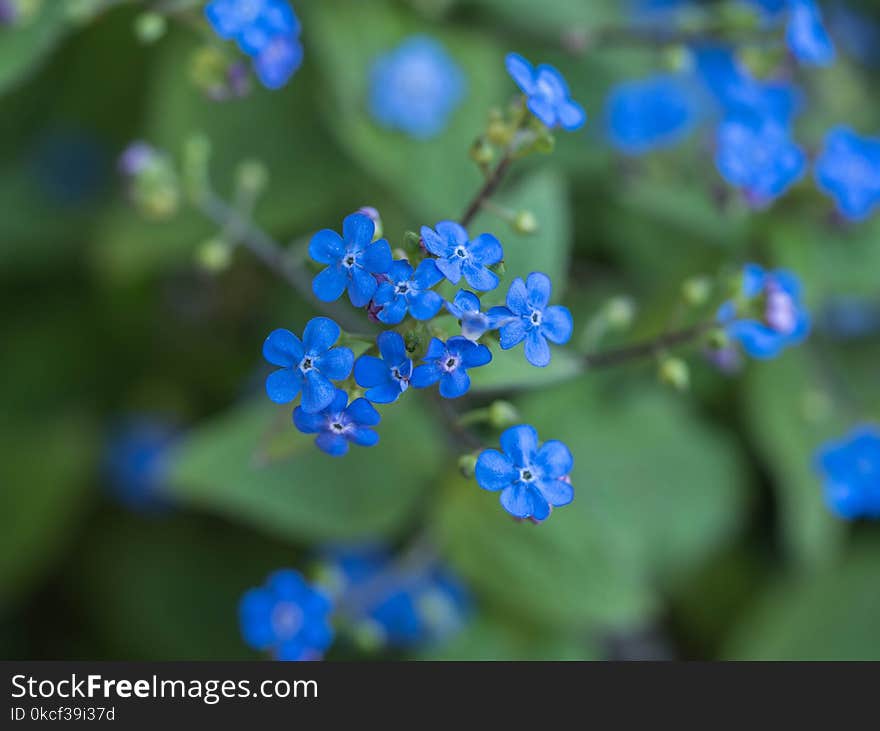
<point>460,432</point>
<point>646,349</point>
<point>487,190</point>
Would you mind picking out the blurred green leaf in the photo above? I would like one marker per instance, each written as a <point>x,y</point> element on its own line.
<point>510,370</point>
<point>24,46</point>
<point>551,20</point>
<point>309,496</point>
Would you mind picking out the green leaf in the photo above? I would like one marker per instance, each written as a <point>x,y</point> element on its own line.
<point>509,370</point>
<point>24,46</point>
<point>309,496</point>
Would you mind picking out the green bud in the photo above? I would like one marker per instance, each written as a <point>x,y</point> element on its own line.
<point>499,133</point>
<point>398,254</point>
<point>674,372</point>
<point>252,177</point>
<point>503,414</point>
<point>500,268</point>
<point>208,69</point>
<point>368,635</point>
<point>150,27</point>
<point>677,58</point>
<point>467,464</point>
<point>214,255</point>
<point>620,313</point>
<point>482,152</point>
<point>718,339</point>
<point>696,291</point>
<point>545,142</point>
<point>525,222</point>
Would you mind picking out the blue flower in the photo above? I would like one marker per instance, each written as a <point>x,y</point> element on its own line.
<point>340,423</point>
<point>782,320</point>
<point>407,291</point>
<point>650,113</point>
<point>474,323</point>
<point>533,321</point>
<point>848,169</point>
<point>448,363</point>
<point>308,364</point>
<point>547,95</point>
<point>286,617</point>
<point>416,87</point>
<point>278,61</point>
<point>387,377</point>
<point>532,478</point>
<point>137,463</point>
<point>459,256</point>
<point>252,23</point>
<point>806,34</point>
<point>353,259</point>
<point>851,470</point>
<point>759,157</point>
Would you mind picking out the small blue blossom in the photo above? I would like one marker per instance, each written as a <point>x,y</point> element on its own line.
<point>353,260</point>
<point>286,617</point>
<point>651,113</point>
<point>277,61</point>
<point>308,365</point>
<point>806,35</point>
<point>416,87</point>
<point>339,424</point>
<point>848,169</point>
<point>533,321</point>
<point>547,94</point>
<point>474,323</point>
<point>137,461</point>
<point>533,479</point>
<point>782,322</point>
<point>136,158</point>
<point>760,158</point>
<point>387,377</point>
<point>459,256</point>
<point>850,468</point>
<point>849,318</point>
<point>406,290</point>
<point>448,363</point>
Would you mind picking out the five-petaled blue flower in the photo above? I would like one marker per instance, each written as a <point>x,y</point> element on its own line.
<point>353,259</point>
<point>848,169</point>
<point>474,323</point>
<point>532,478</point>
<point>286,617</point>
<point>405,290</point>
<point>806,35</point>
<point>547,95</point>
<point>307,365</point>
<point>448,363</point>
<point>387,377</point>
<point>458,255</point>
<point>851,470</point>
<point>416,87</point>
<point>783,320</point>
<point>339,424</point>
<point>533,321</point>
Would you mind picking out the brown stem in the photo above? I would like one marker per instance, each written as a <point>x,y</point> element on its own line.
<point>638,351</point>
<point>487,191</point>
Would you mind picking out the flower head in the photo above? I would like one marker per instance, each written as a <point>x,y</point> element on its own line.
<point>806,35</point>
<point>782,320</point>
<point>547,95</point>
<point>405,290</point>
<point>387,377</point>
<point>448,363</point>
<point>532,478</point>
<point>474,323</point>
<point>530,319</point>
<point>353,259</point>
<point>286,617</point>
<point>308,365</point>
<point>416,87</point>
<point>848,169</point>
<point>339,424</point>
<point>459,256</point>
<point>850,468</point>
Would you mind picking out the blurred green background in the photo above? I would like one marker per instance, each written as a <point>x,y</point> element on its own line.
<point>698,528</point>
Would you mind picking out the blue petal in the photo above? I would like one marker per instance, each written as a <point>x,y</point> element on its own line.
<point>337,405</point>
<point>393,311</point>
<point>277,61</point>
<point>283,386</point>
<point>370,371</point>
<point>364,437</point>
<point>540,506</point>
<point>386,393</point>
<point>571,115</point>
<point>385,293</point>
<point>451,269</point>
<point>326,247</point>
<point>333,444</point>
<point>454,384</point>
<point>537,349</point>
<point>557,324</point>
<point>521,72</point>
<point>464,302</point>
<point>499,316</point>
<point>425,375</point>
<point>392,347</point>
<point>543,109</point>
<point>336,363</point>
<point>476,356</point>
<point>556,492</point>
<point>329,284</point>
<point>358,230</point>
<point>519,500</point>
<point>377,257</point>
<point>520,443</point>
<point>400,271</point>
<point>287,584</point>
<point>757,339</point>
<point>292,650</point>
<point>494,471</point>
<point>754,278</point>
<point>453,233</point>
<point>436,349</point>
<point>433,242</point>
<point>362,287</point>
<point>518,297</point>
<point>255,614</point>
<point>318,392</point>
<point>362,413</point>
<point>513,333</point>
<point>425,305</point>
<point>309,423</point>
<point>554,459</point>
<point>479,277</point>
<point>539,287</point>
<point>486,250</point>
<point>283,348</point>
<point>319,335</point>
<point>427,275</point>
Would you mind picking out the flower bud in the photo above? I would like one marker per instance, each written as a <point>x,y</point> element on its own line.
<point>467,465</point>
<point>252,177</point>
<point>620,313</point>
<point>499,133</point>
<point>149,27</point>
<point>503,414</point>
<point>525,222</point>
<point>482,152</point>
<point>214,255</point>
<point>718,339</point>
<point>374,216</point>
<point>696,291</point>
<point>674,372</point>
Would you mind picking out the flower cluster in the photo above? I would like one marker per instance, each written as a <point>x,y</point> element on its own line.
<point>850,468</point>
<point>266,30</point>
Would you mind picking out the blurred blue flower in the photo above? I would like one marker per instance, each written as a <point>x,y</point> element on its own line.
<point>136,158</point>
<point>849,318</point>
<point>405,290</point>
<point>71,165</point>
<point>781,320</point>
<point>532,478</point>
<point>458,255</point>
<point>277,61</point>
<point>474,323</point>
<point>533,321</point>
<point>353,259</point>
<point>448,363</point>
<point>806,34</point>
<point>286,617</point>
<point>761,158</point>
<point>136,462</point>
<point>308,364</point>
<point>416,87</point>
<point>547,94</point>
<point>848,169</point>
<point>387,377</point>
<point>857,33</point>
<point>650,113</point>
<point>850,468</point>
<point>339,424</point>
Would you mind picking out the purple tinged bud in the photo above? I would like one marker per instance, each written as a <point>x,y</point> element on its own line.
<point>136,158</point>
